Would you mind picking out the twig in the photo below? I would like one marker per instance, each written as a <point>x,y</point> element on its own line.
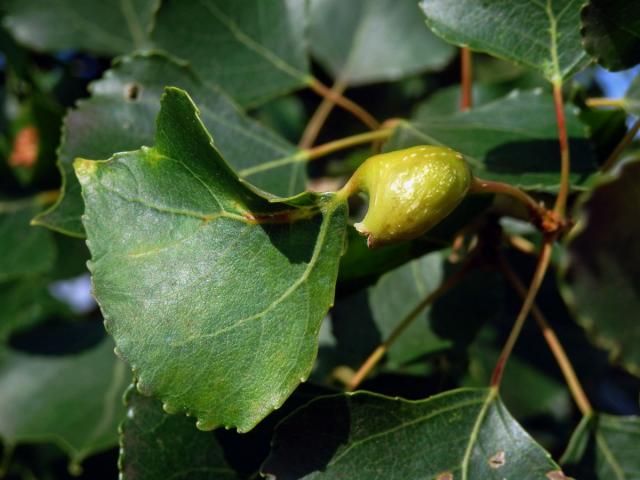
<point>320,116</point>
<point>466,73</point>
<point>624,143</point>
<point>565,165</point>
<point>546,220</point>
<point>381,349</point>
<point>341,144</point>
<point>350,106</point>
<point>521,244</point>
<point>302,156</point>
<point>552,341</point>
<point>605,102</point>
<point>536,281</point>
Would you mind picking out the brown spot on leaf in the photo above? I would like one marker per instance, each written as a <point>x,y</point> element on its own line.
<point>498,460</point>
<point>557,475</point>
<point>445,476</point>
<point>132,91</point>
<point>25,147</point>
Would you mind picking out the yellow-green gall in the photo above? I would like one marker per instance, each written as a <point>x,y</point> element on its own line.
<point>409,191</point>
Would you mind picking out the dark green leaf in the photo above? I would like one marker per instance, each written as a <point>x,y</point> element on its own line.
<point>367,41</point>
<point>25,249</point>
<point>213,292</point>
<point>362,320</point>
<point>604,447</point>
<point>513,140</point>
<point>601,273</point>
<point>541,34</point>
<point>73,400</point>
<point>107,27</point>
<point>253,49</point>
<point>611,32</point>
<point>155,445</point>
<point>120,116</point>
<point>463,433</point>
<point>25,302</point>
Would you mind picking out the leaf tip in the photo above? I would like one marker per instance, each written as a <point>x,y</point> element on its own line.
<point>84,168</point>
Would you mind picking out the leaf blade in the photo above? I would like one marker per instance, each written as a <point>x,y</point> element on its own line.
<point>481,26</point>
<point>111,120</point>
<point>181,272</point>
<point>436,438</point>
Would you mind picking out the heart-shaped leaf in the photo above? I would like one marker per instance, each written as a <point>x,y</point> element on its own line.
<point>611,32</point>
<point>540,34</point>
<point>213,291</point>
<point>120,116</point>
<point>373,40</point>
<point>460,434</point>
<point>253,49</point>
<point>601,275</point>
<point>108,27</point>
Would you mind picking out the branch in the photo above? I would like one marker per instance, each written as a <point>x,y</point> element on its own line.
<point>382,349</point>
<point>624,143</point>
<point>536,281</point>
<point>320,116</point>
<point>350,106</point>
<point>565,166</point>
<point>466,72</point>
<point>547,221</point>
<point>552,341</point>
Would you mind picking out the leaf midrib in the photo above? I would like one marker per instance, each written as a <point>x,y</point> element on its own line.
<point>408,424</point>
<point>251,44</point>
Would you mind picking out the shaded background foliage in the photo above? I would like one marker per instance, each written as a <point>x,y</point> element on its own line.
<point>86,77</point>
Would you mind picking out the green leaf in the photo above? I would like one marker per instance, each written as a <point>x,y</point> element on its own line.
<point>32,250</point>
<point>540,34</point>
<point>26,302</point>
<point>72,400</point>
<point>106,27</point>
<point>362,320</point>
<point>513,140</point>
<point>601,276</point>
<point>611,32</point>
<point>154,444</point>
<point>464,433</point>
<point>214,292</point>
<point>120,116</point>
<point>254,49</point>
<point>368,41</point>
<point>604,447</point>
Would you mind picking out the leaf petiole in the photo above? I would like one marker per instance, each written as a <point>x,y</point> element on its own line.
<point>546,220</point>
<point>343,102</point>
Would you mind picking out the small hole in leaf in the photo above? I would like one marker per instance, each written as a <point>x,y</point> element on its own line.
<point>498,460</point>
